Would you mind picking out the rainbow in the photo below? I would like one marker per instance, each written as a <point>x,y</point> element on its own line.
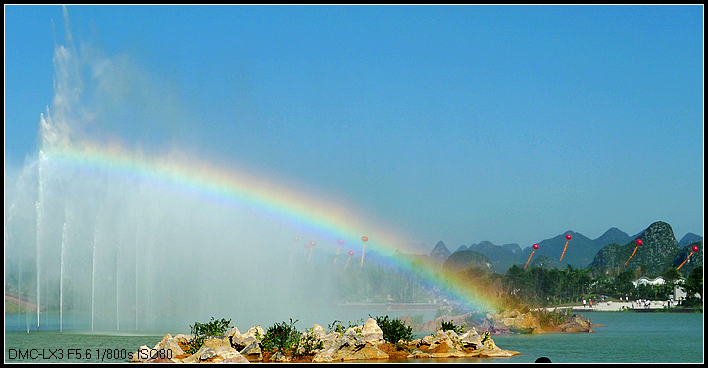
<point>329,217</point>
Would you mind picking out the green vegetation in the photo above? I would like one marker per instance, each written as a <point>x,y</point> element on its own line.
<point>554,317</point>
<point>337,326</point>
<point>202,330</point>
<point>281,336</point>
<point>534,286</point>
<point>447,326</point>
<point>309,343</point>
<point>694,285</point>
<point>394,330</point>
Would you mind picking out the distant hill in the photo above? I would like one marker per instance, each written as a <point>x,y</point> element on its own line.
<point>658,251</point>
<point>580,252</point>
<point>440,252</point>
<point>465,259</point>
<point>607,252</point>
<point>688,239</point>
<point>694,261</point>
<point>501,256</point>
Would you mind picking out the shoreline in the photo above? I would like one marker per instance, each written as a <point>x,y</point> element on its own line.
<point>611,306</point>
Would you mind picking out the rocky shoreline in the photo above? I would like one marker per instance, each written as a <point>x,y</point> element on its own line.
<point>363,342</point>
<point>510,321</point>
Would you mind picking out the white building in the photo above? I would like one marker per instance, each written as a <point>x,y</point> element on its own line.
<point>679,293</point>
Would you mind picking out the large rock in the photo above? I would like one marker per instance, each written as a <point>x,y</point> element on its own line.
<point>141,355</point>
<point>372,333</point>
<point>471,339</point>
<point>515,322</point>
<point>351,346</point>
<point>252,352</point>
<point>447,344</point>
<point>576,323</point>
<point>240,341</point>
<point>216,350</point>
<point>327,338</point>
<point>184,341</point>
<point>166,350</point>
<point>233,331</point>
<point>279,357</point>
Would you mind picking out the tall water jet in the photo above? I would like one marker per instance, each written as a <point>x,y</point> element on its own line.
<point>93,274</point>
<point>192,224</point>
<point>117,288</point>
<point>61,273</point>
<point>39,209</point>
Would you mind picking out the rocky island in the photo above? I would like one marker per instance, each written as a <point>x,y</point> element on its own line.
<point>364,342</point>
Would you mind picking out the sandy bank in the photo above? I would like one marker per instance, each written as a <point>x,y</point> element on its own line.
<point>611,306</point>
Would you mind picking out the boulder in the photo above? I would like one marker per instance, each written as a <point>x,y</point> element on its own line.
<point>471,339</point>
<point>512,321</point>
<point>233,331</point>
<point>164,351</point>
<point>141,355</point>
<point>322,335</point>
<point>216,350</point>
<point>252,352</point>
<point>172,348</point>
<point>184,341</point>
<point>350,346</point>
<point>240,341</point>
<point>279,357</point>
<point>445,344</point>
<point>162,342</point>
<point>372,333</point>
<point>576,323</point>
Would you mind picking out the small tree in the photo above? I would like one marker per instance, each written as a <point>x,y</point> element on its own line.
<point>694,285</point>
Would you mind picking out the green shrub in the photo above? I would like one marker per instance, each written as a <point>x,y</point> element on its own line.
<point>202,330</point>
<point>337,326</point>
<point>447,326</point>
<point>309,343</point>
<point>281,336</point>
<point>394,329</point>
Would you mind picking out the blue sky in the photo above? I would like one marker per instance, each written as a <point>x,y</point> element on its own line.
<point>510,124</point>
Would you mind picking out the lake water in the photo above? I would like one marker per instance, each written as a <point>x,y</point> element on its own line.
<point>626,338</point>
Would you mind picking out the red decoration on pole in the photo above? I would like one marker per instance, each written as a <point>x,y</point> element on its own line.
<point>693,249</point>
<point>535,246</point>
<point>351,253</point>
<point>363,249</point>
<point>639,242</point>
<point>566,246</point>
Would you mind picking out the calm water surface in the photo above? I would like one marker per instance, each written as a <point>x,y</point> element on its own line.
<point>626,338</point>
